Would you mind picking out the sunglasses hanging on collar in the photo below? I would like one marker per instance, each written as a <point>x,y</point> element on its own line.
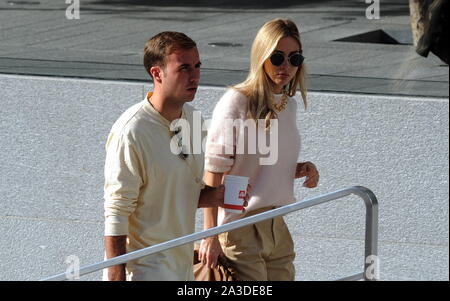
<point>182,154</point>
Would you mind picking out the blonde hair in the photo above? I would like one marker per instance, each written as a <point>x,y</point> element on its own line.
<point>258,86</point>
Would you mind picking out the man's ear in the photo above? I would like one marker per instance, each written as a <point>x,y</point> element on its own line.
<point>156,73</point>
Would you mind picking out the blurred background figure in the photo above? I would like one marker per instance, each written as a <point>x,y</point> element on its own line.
<point>430,26</point>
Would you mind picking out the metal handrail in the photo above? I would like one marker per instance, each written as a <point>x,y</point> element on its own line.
<point>371,233</point>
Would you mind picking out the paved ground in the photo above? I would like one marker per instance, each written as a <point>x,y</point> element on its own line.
<point>107,41</point>
<point>52,146</point>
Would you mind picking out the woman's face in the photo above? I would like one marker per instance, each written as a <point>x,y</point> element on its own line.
<point>282,75</point>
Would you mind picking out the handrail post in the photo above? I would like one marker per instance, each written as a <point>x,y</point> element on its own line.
<point>371,261</point>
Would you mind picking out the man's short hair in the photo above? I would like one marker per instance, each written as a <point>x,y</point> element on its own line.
<point>163,44</point>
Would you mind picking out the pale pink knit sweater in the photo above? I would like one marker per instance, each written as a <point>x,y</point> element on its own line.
<point>272,185</point>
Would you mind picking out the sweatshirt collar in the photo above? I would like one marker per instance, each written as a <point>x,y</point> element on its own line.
<point>156,116</point>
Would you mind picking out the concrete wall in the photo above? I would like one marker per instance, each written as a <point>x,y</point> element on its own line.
<point>52,136</point>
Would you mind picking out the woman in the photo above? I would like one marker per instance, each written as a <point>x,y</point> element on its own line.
<point>264,251</point>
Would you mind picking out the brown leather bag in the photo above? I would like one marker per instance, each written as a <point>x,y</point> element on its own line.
<point>222,272</point>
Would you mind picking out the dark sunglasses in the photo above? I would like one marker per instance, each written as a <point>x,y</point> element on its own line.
<point>295,59</point>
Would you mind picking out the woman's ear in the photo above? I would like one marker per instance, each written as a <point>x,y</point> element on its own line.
<point>155,71</point>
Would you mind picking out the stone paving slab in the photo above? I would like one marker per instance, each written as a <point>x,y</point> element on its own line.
<point>38,39</point>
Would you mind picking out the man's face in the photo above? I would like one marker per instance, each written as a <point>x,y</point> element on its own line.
<point>181,75</point>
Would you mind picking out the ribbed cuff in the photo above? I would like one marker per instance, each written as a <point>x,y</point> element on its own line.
<point>116,225</point>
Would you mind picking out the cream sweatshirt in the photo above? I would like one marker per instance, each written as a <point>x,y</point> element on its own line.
<point>273,184</point>
<point>151,195</point>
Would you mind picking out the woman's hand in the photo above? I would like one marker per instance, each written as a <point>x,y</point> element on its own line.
<point>308,170</point>
<point>209,251</point>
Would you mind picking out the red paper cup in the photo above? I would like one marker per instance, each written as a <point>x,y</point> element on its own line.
<point>235,192</point>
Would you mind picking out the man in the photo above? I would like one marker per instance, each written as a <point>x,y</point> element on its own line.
<point>151,194</point>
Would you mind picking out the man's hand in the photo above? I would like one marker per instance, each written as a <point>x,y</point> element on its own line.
<point>214,197</point>
<point>116,246</point>
<point>117,273</point>
<point>211,197</point>
<point>308,170</point>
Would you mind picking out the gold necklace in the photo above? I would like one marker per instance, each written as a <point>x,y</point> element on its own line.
<point>282,105</point>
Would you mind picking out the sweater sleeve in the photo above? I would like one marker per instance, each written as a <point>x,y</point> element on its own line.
<point>220,148</point>
<point>123,179</point>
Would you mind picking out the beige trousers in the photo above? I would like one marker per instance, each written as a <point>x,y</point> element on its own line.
<point>261,252</point>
